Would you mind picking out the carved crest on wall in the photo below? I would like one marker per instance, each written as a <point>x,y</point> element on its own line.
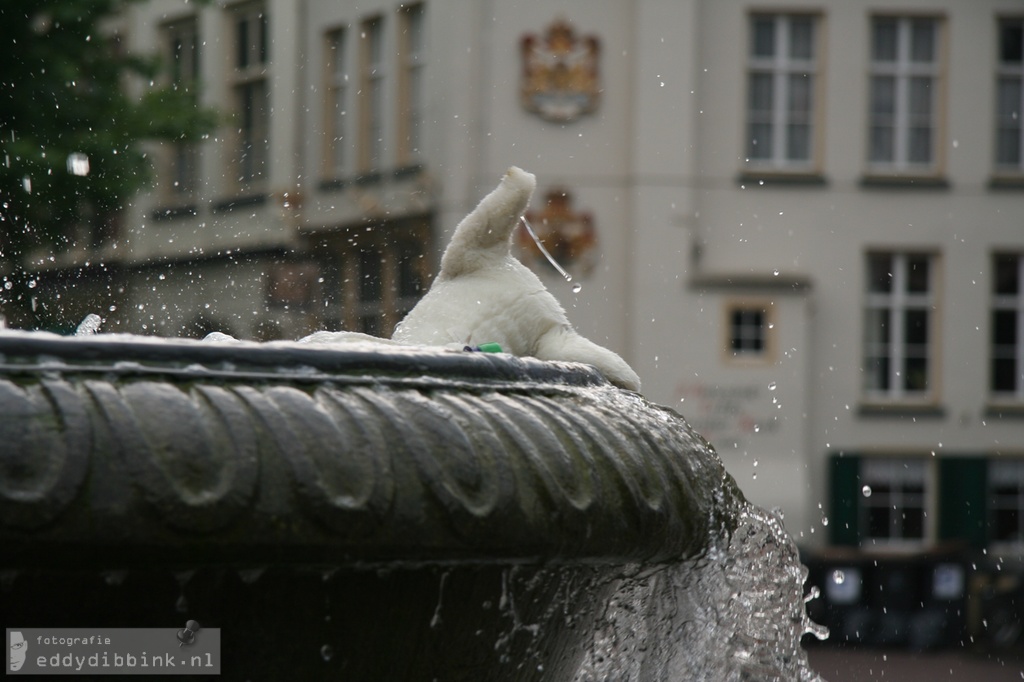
<point>561,81</point>
<point>567,234</point>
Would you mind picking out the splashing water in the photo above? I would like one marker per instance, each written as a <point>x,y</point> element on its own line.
<point>737,612</point>
<point>90,325</point>
<point>219,337</point>
<point>576,288</point>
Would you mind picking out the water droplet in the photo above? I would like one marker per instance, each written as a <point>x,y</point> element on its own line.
<point>838,577</point>
<point>577,288</point>
<point>772,386</point>
<point>327,652</point>
<point>866,491</point>
<point>824,520</point>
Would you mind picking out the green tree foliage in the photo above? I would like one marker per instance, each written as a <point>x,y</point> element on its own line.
<point>62,96</point>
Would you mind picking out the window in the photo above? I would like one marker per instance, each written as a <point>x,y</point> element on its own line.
<point>1007,379</point>
<point>893,500</point>
<point>182,50</point>
<point>1010,96</point>
<point>903,99</point>
<point>251,95</point>
<point>371,102</point>
<point>1006,488</point>
<point>372,279</point>
<point>748,331</point>
<point>780,108</point>
<point>897,342</point>
<point>336,161</point>
<point>411,84</point>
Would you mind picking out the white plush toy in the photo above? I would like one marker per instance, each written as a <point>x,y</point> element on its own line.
<point>484,295</point>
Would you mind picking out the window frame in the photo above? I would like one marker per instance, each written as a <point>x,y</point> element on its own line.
<point>1013,303</point>
<point>781,67</point>
<point>412,59</point>
<point>248,76</point>
<point>1015,71</point>
<point>994,506</point>
<point>871,470</point>
<point>338,147</point>
<point>903,70</point>
<point>764,306</point>
<point>372,94</point>
<point>181,159</point>
<point>898,301</point>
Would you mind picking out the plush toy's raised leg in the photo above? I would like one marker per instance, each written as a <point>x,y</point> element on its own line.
<point>482,239</point>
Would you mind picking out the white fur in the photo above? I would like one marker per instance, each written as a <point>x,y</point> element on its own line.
<point>484,295</point>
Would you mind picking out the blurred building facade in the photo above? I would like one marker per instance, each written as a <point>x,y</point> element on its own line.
<point>802,224</point>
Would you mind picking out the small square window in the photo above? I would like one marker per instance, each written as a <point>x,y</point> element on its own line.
<point>747,329</point>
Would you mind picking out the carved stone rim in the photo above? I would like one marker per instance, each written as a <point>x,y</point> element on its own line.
<point>204,452</point>
<point>31,352</point>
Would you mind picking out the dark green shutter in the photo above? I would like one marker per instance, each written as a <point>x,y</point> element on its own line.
<point>844,485</point>
<point>963,500</point>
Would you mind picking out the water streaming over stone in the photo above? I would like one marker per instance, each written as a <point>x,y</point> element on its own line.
<point>736,612</point>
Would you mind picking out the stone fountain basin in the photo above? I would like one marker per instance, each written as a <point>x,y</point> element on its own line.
<point>340,513</point>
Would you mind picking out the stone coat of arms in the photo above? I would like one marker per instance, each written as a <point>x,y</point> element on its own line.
<point>560,73</point>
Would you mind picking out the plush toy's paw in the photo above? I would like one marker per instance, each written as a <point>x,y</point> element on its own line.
<point>564,344</point>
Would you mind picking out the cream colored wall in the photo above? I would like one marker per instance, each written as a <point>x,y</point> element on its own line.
<point>657,166</point>
<point>823,233</point>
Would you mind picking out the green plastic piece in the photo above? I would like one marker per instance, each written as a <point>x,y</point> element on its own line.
<point>490,348</point>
